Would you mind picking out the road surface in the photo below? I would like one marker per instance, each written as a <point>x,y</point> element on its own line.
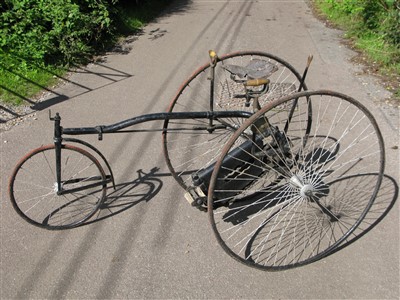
<point>161,247</point>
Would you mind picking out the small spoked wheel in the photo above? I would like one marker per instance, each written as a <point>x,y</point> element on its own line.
<point>191,146</point>
<point>33,187</point>
<point>274,199</point>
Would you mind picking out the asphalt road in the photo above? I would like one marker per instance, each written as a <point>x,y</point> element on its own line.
<point>160,247</point>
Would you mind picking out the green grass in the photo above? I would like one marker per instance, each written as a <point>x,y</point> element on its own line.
<point>21,80</point>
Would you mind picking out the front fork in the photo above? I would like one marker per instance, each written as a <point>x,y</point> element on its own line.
<point>58,146</point>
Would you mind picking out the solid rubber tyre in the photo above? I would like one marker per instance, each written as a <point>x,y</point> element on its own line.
<point>188,152</point>
<point>33,187</point>
<point>284,202</point>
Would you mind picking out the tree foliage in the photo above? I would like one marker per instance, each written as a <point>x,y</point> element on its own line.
<point>54,31</point>
<point>39,39</point>
<point>379,16</point>
<point>374,27</point>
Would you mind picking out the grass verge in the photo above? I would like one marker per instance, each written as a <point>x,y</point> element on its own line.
<point>21,80</point>
<point>381,55</point>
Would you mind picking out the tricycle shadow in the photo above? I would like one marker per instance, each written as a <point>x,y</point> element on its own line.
<point>129,194</point>
<point>384,202</point>
<point>345,205</point>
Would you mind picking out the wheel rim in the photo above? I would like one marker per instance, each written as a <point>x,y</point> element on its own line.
<point>188,152</point>
<point>303,212</point>
<point>33,187</point>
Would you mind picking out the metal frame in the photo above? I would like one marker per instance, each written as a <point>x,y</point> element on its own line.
<point>119,127</point>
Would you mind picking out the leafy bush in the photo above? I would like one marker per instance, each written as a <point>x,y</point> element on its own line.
<point>379,16</point>
<point>50,31</point>
<point>40,38</point>
<point>374,25</point>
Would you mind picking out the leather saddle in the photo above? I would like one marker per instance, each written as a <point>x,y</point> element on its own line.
<point>255,69</point>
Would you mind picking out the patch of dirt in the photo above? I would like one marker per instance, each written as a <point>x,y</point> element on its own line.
<point>390,81</point>
<point>12,115</point>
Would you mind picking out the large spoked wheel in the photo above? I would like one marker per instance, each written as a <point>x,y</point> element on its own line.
<point>274,199</point>
<point>188,147</point>
<point>33,187</point>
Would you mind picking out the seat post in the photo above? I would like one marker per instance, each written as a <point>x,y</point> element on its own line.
<point>213,63</point>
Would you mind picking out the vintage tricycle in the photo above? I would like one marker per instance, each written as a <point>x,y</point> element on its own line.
<point>268,160</point>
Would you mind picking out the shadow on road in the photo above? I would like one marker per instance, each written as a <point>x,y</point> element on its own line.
<point>129,194</point>
<point>102,73</point>
<point>384,202</point>
<point>349,202</point>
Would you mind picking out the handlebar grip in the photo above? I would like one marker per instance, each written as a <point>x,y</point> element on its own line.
<point>212,54</point>
<point>256,82</point>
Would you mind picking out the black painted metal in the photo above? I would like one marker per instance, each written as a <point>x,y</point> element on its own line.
<point>58,145</point>
<point>212,115</point>
<point>98,152</point>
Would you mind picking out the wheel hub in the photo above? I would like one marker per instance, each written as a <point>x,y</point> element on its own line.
<point>306,190</point>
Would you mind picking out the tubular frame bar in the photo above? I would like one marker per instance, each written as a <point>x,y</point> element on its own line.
<point>211,115</point>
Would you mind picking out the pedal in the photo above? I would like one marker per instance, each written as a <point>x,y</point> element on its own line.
<point>196,197</point>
